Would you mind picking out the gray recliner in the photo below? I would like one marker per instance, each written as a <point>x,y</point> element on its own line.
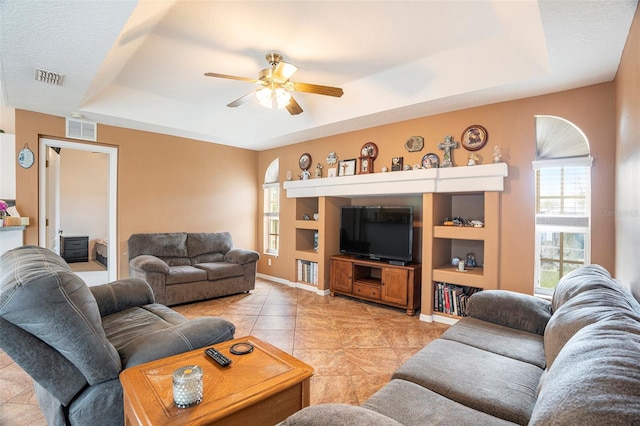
<point>74,340</point>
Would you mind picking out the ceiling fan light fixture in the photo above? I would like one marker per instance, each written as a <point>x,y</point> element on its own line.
<point>273,98</point>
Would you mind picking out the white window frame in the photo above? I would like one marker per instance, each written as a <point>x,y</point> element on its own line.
<point>563,223</point>
<point>270,217</point>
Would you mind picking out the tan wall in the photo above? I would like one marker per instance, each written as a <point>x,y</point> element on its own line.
<point>510,124</point>
<point>165,183</point>
<point>627,212</point>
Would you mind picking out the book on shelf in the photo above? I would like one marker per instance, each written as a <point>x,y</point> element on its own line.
<point>308,271</point>
<point>451,299</point>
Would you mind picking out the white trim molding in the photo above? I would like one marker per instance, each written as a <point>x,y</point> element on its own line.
<point>486,177</point>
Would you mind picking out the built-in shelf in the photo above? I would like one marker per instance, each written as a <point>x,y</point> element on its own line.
<point>459,232</point>
<point>486,177</point>
<point>471,192</point>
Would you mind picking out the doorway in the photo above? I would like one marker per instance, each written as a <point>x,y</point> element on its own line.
<point>49,198</point>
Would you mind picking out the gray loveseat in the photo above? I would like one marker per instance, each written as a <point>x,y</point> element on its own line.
<point>517,359</point>
<point>74,340</point>
<point>184,267</point>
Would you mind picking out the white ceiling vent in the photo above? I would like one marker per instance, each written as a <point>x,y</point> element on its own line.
<point>81,129</point>
<point>48,77</point>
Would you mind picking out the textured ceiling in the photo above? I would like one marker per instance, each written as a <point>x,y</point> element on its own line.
<point>141,64</point>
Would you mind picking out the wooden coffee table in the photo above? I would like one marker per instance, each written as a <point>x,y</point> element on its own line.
<point>260,388</point>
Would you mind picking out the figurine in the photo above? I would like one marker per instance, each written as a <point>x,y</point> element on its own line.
<point>471,260</point>
<point>473,159</point>
<point>319,170</point>
<point>305,175</point>
<point>446,146</point>
<point>497,154</point>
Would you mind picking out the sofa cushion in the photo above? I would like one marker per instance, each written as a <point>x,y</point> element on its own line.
<point>202,243</point>
<point>176,261</point>
<point>185,274</point>
<point>584,279</point>
<point>582,297</point>
<point>506,341</point>
<point>162,245</point>
<point>219,270</point>
<point>337,415</point>
<point>595,379</point>
<point>497,385</point>
<point>207,258</point>
<point>412,404</point>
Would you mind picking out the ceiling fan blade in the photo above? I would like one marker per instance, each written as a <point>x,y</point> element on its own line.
<point>231,77</point>
<point>283,72</point>
<point>244,99</point>
<point>294,108</point>
<point>317,89</point>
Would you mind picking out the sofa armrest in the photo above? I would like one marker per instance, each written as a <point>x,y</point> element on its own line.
<point>193,334</point>
<point>510,309</point>
<point>149,263</point>
<point>122,294</point>
<point>241,256</point>
<point>337,415</point>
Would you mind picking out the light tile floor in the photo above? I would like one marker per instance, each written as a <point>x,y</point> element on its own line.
<point>353,346</point>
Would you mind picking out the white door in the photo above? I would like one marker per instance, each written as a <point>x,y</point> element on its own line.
<point>53,200</point>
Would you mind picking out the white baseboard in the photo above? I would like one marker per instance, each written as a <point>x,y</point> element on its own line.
<point>444,319</point>
<point>302,286</point>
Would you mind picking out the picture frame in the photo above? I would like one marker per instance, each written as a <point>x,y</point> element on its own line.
<point>397,164</point>
<point>347,167</point>
<point>332,172</point>
<point>474,137</point>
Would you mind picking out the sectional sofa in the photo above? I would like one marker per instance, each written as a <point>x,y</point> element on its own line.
<point>517,359</point>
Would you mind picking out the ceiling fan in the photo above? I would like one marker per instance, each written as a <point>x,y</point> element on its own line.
<point>276,86</point>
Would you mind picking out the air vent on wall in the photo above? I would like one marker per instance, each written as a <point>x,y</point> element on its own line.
<point>81,129</point>
<point>48,77</point>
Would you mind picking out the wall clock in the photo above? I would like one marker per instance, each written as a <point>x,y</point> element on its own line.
<point>305,161</point>
<point>369,150</point>
<point>25,157</point>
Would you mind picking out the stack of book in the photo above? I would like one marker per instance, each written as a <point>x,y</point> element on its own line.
<point>308,272</point>
<point>452,299</point>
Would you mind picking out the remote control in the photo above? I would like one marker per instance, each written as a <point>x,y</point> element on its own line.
<point>217,357</point>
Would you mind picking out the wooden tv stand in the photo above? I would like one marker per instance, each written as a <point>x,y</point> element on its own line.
<point>377,281</point>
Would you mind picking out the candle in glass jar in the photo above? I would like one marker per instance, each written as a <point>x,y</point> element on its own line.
<point>187,386</point>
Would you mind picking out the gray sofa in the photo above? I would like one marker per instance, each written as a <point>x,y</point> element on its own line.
<point>74,340</point>
<point>184,267</point>
<point>517,360</point>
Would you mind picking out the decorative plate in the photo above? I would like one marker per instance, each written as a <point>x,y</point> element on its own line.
<point>414,144</point>
<point>370,150</point>
<point>305,161</point>
<point>25,157</point>
<point>474,137</point>
<point>430,161</point>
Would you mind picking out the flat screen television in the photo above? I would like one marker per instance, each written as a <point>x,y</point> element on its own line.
<point>377,232</point>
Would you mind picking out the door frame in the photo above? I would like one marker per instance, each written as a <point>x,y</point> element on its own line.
<point>112,152</point>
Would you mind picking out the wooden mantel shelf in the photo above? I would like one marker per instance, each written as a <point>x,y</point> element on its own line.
<point>486,177</point>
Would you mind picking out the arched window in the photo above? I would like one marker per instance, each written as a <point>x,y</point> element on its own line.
<point>563,201</point>
<point>271,225</point>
